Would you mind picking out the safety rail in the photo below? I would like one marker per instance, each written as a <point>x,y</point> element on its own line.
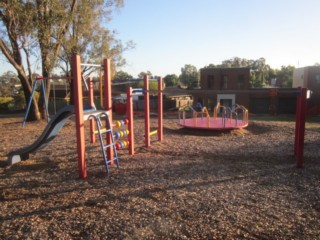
<point>237,115</point>
<point>203,112</point>
<point>183,110</point>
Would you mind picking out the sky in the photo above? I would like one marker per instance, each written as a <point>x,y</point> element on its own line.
<point>171,33</point>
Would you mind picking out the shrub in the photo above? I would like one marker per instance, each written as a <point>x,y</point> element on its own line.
<point>4,102</point>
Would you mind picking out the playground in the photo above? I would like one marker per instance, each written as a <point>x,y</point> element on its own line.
<point>195,184</point>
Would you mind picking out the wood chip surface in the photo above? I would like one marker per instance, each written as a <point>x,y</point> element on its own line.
<point>240,184</point>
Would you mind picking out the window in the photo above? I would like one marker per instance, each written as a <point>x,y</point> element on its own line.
<point>240,82</point>
<point>224,82</point>
<point>210,81</point>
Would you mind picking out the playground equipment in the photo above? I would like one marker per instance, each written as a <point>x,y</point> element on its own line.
<point>57,122</point>
<point>120,134</point>
<point>43,87</point>
<point>91,114</point>
<point>105,131</point>
<point>224,118</point>
<point>49,133</point>
<point>206,122</point>
<point>42,81</point>
<point>301,111</point>
<point>81,114</point>
<point>121,143</point>
<point>147,134</point>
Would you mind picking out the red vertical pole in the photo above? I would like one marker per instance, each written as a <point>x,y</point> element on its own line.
<point>130,117</point>
<point>91,102</point>
<point>303,111</point>
<point>108,101</point>
<point>78,102</point>
<point>160,109</point>
<point>298,113</point>
<point>146,111</point>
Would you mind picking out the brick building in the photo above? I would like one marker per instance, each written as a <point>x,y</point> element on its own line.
<point>231,86</point>
<point>309,77</point>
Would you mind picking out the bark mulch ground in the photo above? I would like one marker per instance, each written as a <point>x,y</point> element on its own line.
<point>240,184</point>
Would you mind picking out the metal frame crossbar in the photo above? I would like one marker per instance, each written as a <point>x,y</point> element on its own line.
<point>31,98</point>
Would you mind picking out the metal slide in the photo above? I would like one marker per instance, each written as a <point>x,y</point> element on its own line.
<point>48,134</point>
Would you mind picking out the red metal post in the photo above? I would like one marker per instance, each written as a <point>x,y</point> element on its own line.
<point>303,111</point>
<point>130,118</point>
<point>78,102</point>
<point>160,109</point>
<point>146,111</point>
<point>298,113</point>
<point>108,101</point>
<point>91,102</point>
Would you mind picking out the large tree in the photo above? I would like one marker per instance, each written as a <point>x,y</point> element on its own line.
<point>121,75</point>
<point>259,74</point>
<point>15,43</point>
<point>33,28</point>
<point>285,76</point>
<point>89,37</point>
<point>189,76</point>
<point>41,27</point>
<point>260,71</point>
<point>141,74</point>
<point>236,62</point>
<point>171,80</point>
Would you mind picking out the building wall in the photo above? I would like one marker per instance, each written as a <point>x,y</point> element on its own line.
<point>224,78</point>
<point>312,78</point>
<point>262,100</point>
<point>257,100</point>
<point>298,78</point>
<point>309,77</point>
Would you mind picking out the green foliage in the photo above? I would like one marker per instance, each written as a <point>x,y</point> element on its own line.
<point>260,72</point>
<point>121,75</point>
<point>255,80</point>
<point>89,37</point>
<point>8,84</point>
<point>189,76</point>
<point>142,74</point>
<point>41,29</point>
<point>4,102</point>
<point>285,76</point>
<point>171,80</point>
<point>153,85</point>
<point>236,62</point>
<point>211,65</point>
<point>20,101</point>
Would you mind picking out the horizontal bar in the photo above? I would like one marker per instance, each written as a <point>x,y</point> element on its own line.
<point>154,90</point>
<point>39,78</point>
<point>91,65</point>
<point>102,131</point>
<point>153,132</point>
<point>135,90</point>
